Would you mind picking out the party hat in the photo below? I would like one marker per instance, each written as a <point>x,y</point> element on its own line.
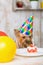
<point>27,26</point>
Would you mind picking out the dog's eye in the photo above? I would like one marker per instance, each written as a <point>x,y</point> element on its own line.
<point>29,36</point>
<point>23,37</point>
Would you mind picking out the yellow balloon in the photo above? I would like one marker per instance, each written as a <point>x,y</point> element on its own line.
<point>7,49</point>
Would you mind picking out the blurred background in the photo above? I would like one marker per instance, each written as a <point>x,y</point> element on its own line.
<point>9,19</point>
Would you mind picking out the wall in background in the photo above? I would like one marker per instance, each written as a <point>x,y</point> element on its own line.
<point>10,20</point>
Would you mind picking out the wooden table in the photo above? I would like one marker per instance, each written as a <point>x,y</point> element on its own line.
<point>18,60</point>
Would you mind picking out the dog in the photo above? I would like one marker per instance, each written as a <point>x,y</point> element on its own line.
<point>22,40</point>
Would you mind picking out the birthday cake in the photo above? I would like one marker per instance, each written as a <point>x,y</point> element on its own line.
<point>32,49</point>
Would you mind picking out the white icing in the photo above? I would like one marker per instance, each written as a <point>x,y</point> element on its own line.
<point>34,47</point>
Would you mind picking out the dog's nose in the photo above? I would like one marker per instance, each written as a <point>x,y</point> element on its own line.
<point>28,41</point>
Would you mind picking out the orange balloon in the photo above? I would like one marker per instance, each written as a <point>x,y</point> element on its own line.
<point>3,33</point>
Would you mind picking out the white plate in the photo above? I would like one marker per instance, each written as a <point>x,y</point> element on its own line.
<point>23,52</point>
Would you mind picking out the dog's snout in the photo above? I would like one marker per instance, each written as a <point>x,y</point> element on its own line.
<point>27,41</point>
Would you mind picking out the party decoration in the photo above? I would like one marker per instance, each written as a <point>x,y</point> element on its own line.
<point>7,49</point>
<point>3,33</point>
<point>27,27</point>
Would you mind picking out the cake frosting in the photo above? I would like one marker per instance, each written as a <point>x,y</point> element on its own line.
<point>32,48</point>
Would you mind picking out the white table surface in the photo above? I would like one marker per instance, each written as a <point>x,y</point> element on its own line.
<point>18,60</point>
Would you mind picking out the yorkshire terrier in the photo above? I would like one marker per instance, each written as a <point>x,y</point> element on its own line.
<point>22,40</point>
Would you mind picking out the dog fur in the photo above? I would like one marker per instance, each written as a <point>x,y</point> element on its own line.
<point>22,40</point>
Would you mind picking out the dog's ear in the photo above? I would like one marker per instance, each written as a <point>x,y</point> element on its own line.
<point>16,32</point>
<point>30,36</point>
